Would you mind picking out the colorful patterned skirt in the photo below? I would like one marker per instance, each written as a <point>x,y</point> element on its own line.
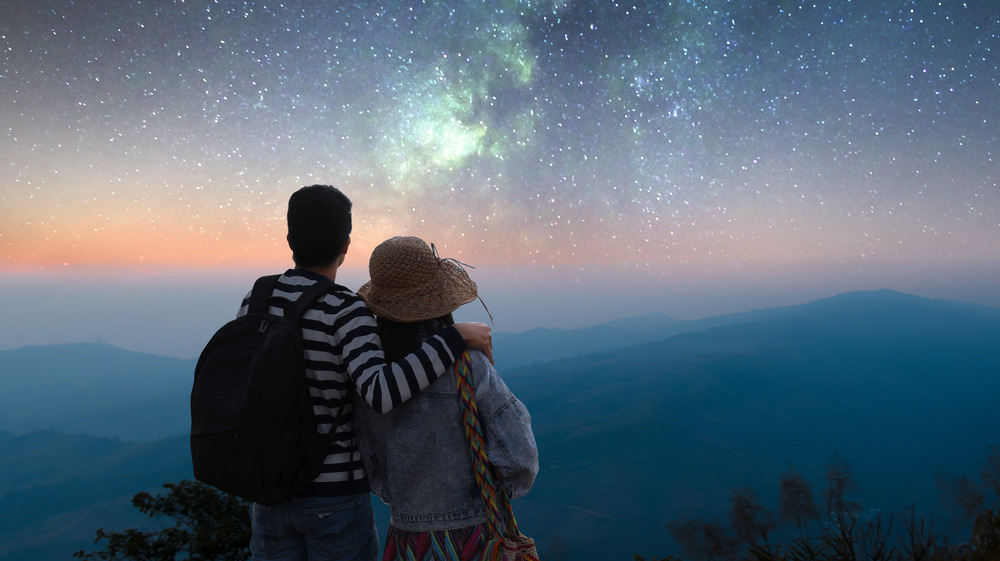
<point>462,544</point>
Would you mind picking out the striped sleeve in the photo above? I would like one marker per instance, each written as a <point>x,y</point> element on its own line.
<point>386,385</point>
<point>342,352</point>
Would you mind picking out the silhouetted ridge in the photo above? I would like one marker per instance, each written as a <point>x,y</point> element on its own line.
<point>658,428</point>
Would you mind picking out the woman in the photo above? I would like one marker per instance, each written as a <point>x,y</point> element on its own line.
<point>417,456</point>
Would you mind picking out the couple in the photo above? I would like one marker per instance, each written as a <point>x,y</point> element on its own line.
<point>360,372</point>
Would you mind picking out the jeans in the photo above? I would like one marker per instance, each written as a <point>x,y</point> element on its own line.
<point>315,529</point>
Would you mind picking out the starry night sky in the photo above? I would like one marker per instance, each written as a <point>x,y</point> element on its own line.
<point>651,136</point>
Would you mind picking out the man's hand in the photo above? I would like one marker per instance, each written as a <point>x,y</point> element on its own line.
<point>477,335</point>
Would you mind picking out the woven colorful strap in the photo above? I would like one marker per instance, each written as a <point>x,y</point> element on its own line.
<point>499,514</point>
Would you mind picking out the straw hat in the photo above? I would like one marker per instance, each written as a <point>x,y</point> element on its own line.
<point>410,283</point>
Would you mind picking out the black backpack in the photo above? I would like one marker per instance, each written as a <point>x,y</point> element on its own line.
<point>253,432</point>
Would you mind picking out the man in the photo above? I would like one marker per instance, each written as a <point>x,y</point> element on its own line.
<point>333,520</point>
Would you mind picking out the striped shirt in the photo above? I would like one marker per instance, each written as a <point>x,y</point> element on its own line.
<point>343,358</point>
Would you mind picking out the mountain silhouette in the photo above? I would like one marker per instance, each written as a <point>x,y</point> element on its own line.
<point>91,388</point>
<point>630,437</point>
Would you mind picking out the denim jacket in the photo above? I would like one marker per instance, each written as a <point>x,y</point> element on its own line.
<point>417,457</point>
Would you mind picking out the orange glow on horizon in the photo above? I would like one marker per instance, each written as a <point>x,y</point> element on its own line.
<point>738,240</point>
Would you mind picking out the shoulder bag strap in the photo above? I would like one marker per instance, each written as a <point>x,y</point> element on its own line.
<point>499,514</point>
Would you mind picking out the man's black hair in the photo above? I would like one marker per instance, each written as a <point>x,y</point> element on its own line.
<point>319,225</point>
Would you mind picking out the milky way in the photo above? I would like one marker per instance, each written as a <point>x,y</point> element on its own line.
<point>564,132</point>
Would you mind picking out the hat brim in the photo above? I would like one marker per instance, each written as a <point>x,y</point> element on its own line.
<point>449,290</point>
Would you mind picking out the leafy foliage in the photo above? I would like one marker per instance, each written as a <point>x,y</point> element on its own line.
<point>208,526</point>
<point>847,534</point>
<point>748,518</point>
<point>839,483</point>
<point>797,502</point>
<point>704,539</point>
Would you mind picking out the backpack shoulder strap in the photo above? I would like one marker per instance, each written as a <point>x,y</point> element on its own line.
<point>308,296</point>
<point>295,310</point>
<point>262,290</point>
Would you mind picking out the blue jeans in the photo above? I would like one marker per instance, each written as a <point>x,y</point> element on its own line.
<point>315,529</point>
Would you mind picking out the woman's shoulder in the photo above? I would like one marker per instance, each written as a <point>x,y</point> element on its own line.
<point>478,361</point>
<point>484,375</point>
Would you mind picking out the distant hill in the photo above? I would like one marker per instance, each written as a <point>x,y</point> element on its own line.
<point>56,490</point>
<point>547,344</point>
<point>633,437</point>
<point>90,388</point>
